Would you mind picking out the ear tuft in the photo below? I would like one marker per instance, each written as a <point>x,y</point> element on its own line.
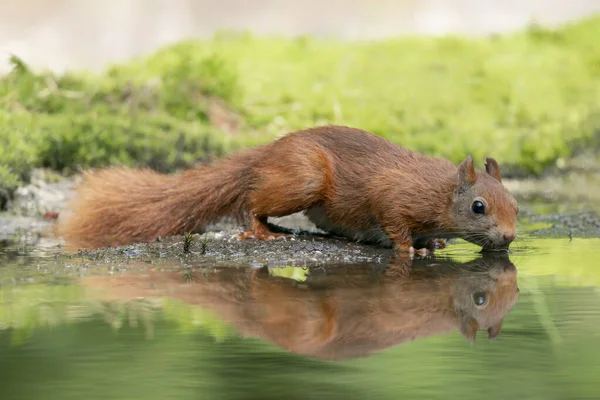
<point>492,168</point>
<point>466,172</point>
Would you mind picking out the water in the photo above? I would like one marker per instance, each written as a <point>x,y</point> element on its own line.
<point>74,328</point>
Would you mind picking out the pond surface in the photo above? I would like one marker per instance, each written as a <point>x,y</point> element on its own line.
<point>74,327</point>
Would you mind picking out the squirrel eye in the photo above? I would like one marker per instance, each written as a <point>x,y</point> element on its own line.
<point>479,298</point>
<point>478,207</point>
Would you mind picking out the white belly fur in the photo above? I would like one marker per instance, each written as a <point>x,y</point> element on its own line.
<point>318,217</point>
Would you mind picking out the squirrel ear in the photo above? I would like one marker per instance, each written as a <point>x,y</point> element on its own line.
<point>492,168</point>
<point>494,330</point>
<point>468,328</point>
<point>466,171</point>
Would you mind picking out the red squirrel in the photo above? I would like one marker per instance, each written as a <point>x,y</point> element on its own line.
<point>349,182</point>
<point>343,312</point>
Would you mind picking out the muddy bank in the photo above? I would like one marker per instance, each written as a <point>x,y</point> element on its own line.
<point>220,247</point>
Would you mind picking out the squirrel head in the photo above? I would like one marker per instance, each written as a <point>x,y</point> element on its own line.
<point>482,298</point>
<point>483,210</point>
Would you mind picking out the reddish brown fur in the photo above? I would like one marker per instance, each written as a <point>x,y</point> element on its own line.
<point>352,181</point>
<point>118,205</point>
<point>347,312</point>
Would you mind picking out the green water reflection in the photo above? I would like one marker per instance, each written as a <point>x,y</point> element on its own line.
<point>336,332</point>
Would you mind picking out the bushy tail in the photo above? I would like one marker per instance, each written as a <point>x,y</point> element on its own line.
<point>118,206</point>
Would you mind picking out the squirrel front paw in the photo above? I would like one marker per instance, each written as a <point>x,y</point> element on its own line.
<point>411,251</point>
<point>408,248</point>
<point>422,251</point>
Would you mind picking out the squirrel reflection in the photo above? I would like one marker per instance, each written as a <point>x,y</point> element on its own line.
<point>345,311</point>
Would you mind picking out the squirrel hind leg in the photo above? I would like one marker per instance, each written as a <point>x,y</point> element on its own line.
<point>259,230</point>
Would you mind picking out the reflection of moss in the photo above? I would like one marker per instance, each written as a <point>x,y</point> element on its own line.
<point>296,273</point>
<point>191,318</point>
<point>529,99</point>
<point>27,308</point>
<point>566,262</point>
<point>24,309</point>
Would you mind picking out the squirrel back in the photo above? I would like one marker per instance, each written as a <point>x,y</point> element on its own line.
<point>347,181</point>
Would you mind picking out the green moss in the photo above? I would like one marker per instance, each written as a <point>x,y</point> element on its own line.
<point>72,121</point>
<point>527,99</point>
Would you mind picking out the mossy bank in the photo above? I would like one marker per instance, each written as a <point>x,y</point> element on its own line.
<point>530,99</point>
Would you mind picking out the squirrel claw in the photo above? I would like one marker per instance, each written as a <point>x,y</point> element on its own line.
<point>260,236</point>
<point>244,236</point>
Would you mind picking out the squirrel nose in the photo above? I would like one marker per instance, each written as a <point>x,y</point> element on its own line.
<point>509,237</point>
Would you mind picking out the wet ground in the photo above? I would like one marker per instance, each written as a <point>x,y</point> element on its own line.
<point>309,317</point>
